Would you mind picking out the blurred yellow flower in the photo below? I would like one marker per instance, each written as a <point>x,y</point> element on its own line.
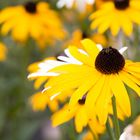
<point>32,19</point>
<point>99,3</point>
<point>81,118</point>
<point>99,73</point>
<point>99,39</point>
<point>88,136</point>
<point>39,101</point>
<point>3,51</point>
<point>116,15</point>
<point>75,38</point>
<point>78,35</point>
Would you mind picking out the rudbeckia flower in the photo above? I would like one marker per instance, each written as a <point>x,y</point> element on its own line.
<point>99,3</point>
<point>88,136</point>
<point>81,6</point>
<point>32,19</point>
<point>81,119</point>
<point>78,35</point>
<point>99,73</point>
<point>39,101</point>
<point>116,15</point>
<point>3,51</point>
<point>99,39</point>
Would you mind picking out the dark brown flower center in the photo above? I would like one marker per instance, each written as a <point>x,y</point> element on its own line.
<point>109,61</point>
<point>84,35</point>
<point>31,7</point>
<point>82,101</point>
<point>121,4</point>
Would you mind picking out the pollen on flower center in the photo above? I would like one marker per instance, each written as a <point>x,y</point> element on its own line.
<point>121,4</point>
<point>109,61</point>
<point>30,7</point>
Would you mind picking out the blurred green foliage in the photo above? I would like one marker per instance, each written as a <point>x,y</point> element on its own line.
<point>17,120</point>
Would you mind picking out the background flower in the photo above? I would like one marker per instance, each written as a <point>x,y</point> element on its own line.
<point>31,20</point>
<point>112,15</point>
<point>132,131</point>
<point>81,6</point>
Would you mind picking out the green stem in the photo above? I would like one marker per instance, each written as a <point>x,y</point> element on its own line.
<point>115,119</point>
<point>110,131</point>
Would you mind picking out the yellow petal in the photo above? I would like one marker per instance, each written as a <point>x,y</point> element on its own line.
<point>90,48</point>
<point>126,25</point>
<point>39,101</point>
<point>135,18</point>
<point>79,56</point>
<point>93,94</point>
<point>67,68</point>
<point>88,136</point>
<point>53,105</point>
<point>7,26</point>
<point>81,119</point>
<point>63,115</point>
<point>104,26</point>
<point>120,94</point>
<point>39,81</point>
<point>103,101</point>
<point>82,90</point>
<point>114,27</point>
<point>20,31</point>
<point>130,81</point>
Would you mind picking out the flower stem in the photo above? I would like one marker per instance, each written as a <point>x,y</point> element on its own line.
<point>115,119</point>
<point>110,131</point>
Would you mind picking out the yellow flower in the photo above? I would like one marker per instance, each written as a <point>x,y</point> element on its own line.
<point>99,3</point>
<point>3,51</point>
<point>117,15</point>
<point>81,120</point>
<point>39,101</point>
<point>88,136</point>
<point>80,116</point>
<point>32,19</point>
<point>78,35</point>
<point>98,73</point>
<point>99,39</point>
